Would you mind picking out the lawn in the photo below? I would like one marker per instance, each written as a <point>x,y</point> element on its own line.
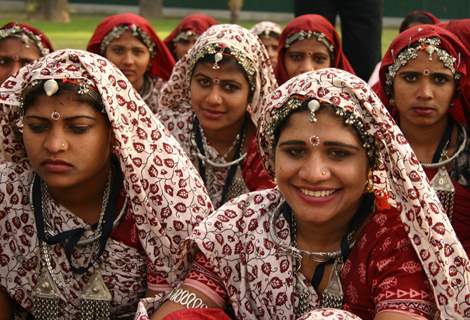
<point>77,33</point>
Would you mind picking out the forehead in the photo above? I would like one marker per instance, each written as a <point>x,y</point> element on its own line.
<point>422,61</point>
<point>14,46</point>
<point>329,126</point>
<point>308,45</point>
<point>227,70</point>
<point>269,40</point>
<point>67,103</point>
<point>128,40</point>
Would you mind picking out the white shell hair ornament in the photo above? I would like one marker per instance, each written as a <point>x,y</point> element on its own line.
<point>51,87</point>
<point>313,106</point>
<point>217,58</point>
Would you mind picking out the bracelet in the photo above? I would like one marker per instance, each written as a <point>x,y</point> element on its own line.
<point>186,298</point>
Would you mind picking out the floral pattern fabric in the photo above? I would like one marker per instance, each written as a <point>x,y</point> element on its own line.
<point>166,196</point>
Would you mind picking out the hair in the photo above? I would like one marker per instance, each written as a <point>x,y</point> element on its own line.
<point>92,97</point>
<point>227,60</point>
<point>416,16</point>
<point>270,34</point>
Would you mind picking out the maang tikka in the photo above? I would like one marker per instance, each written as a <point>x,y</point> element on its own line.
<point>313,106</point>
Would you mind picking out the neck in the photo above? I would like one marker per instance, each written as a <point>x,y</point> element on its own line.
<point>139,84</point>
<point>313,237</point>
<point>424,140</point>
<point>84,200</point>
<point>222,139</point>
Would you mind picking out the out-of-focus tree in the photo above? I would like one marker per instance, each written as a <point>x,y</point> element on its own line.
<point>151,9</point>
<point>235,7</point>
<point>51,10</point>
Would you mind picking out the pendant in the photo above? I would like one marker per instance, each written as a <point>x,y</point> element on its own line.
<point>332,296</point>
<point>95,299</point>
<point>45,297</point>
<point>442,181</point>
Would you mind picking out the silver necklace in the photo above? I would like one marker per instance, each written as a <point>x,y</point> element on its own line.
<point>446,160</point>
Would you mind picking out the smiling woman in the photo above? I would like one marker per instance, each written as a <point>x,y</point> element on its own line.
<point>88,227</point>
<point>130,42</point>
<point>211,104</point>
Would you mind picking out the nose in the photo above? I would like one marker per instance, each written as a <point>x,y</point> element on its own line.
<point>214,96</point>
<point>55,141</point>
<point>128,58</point>
<point>315,168</point>
<point>306,65</point>
<point>425,90</point>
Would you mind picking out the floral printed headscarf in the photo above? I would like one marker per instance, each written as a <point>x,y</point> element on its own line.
<point>247,50</point>
<point>165,191</point>
<point>264,28</point>
<point>399,180</point>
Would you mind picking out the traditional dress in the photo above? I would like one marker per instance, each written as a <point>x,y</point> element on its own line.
<point>191,27</point>
<point>162,198</point>
<point>311,26</point>
<point>455,57</point>
<point>176,114</point>
<point>406,258</point>
<point>27,33</point>
<point>161,61</point>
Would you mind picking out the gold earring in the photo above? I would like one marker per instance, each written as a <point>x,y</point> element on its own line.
<point>369,185</point>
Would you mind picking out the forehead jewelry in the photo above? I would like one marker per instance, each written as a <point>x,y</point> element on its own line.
<point>313,106</point>
<point>55,115</point>
<point>314,140</point>
<point>51,87</point>
<point>217,58</point>
<point>426,72</point>
<point>216,81</point>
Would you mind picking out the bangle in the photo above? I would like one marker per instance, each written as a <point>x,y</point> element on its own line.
<point>186,298</point>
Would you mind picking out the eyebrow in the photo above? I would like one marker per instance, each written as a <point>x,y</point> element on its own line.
<point>71,118</point>
<point>444,73</point>
<point>221,80</point>
<point>326,143</point>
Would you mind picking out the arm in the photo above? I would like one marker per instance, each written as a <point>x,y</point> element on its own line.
<point>6,306</point>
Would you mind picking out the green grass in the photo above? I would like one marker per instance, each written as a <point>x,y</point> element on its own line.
<point>77,33</point>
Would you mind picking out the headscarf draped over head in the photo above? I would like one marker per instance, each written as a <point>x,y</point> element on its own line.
<point>311,26</point>
<point>399,180</point>
<point>112,27</point>
<point>418,16</point>
<point>27,34</point>
<point>230,39</point>
<point>165,191</point>
<point>192,25</point>
<point>265,28</point>
<point>450,51</point>
<point>461,28</point>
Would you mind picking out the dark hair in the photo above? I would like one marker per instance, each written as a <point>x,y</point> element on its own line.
<point>270,34</point>
<point>227,60</point>
<point>92,97</point>
<point>416,16</point>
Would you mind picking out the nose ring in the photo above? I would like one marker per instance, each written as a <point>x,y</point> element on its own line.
<point>324,171</point>
<point>63,146</point>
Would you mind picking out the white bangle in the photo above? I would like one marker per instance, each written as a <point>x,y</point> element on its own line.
<point>186,298</point>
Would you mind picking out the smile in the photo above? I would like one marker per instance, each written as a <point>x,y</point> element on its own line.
<point>317,194</point>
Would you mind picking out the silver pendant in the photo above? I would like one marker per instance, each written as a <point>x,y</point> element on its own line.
<point>95,299</point>
<point>442,181</point>
<point>45,297</point>
<point>332,296</point>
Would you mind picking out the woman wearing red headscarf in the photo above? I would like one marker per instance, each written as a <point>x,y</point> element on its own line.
<point>20,44</point>
<point>130,42</point>
<point>422,81</point>
<point>307,43</point>
<point>183,37</point>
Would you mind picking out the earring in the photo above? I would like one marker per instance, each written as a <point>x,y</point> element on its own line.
<point>391,101</point>
<point>369,185</point>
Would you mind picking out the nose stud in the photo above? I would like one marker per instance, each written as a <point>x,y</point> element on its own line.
<point>324,171</point>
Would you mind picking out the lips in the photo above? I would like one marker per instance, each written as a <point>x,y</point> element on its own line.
<point>423,111</point>
<point>56,166</point>
<point>317,197</point>
<point>211,114</point>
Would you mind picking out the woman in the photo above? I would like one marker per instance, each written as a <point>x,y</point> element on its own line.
<point>269,32</point>
<point>130,42</point>
<point>20,44</point>
<point>307,43</point>
<point>414,18</point>
<point>96,195</point>
<point>423,83</point>
<point>211,105</point>
<point>183,37</point>
<point>343,228</point>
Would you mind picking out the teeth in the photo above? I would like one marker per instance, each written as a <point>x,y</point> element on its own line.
<point>323,193</point>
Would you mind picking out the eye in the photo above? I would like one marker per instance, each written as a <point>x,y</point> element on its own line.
<point>117,50</point>
<point>320,59</point>
<point>441,79</point>
<point>294,152</point>
<point>138,51</point>
<point>338,154</point>
<point>410,77</point>
<point>295,56</point>
<point>203,82</point>
<point>230,87</point>
<point>38,127</point>
<point>79,129</point>
<point>25,62</point>
<point>5,61</point>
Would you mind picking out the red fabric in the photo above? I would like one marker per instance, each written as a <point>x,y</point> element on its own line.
<point>461,28</point>
<point>198,314</point>
<point>253,172</point>
<point>449,42</point>
<point>162,62</point>
<point>461,213</point>
<point>44,39</point>
<point>418,13</point>
<point>312,22</point>
<point>197,23</point>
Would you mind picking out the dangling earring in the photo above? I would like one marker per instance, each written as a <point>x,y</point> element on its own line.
<point>369,185</point>
<point>392,102</point>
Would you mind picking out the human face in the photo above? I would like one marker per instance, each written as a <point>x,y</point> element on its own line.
<point>306,55</point>
<point>219,97</point>
<point>423,90</point>
<point>131,56</point>
<point>323,184</point>
<point>71,152</point>
<point>14,54</point>
<point>183,46</point>
<point>271,44</point>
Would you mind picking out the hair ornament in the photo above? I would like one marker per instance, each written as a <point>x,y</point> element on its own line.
<point>51,87</point>
<point>217,58</point>
<point>313,106</point>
